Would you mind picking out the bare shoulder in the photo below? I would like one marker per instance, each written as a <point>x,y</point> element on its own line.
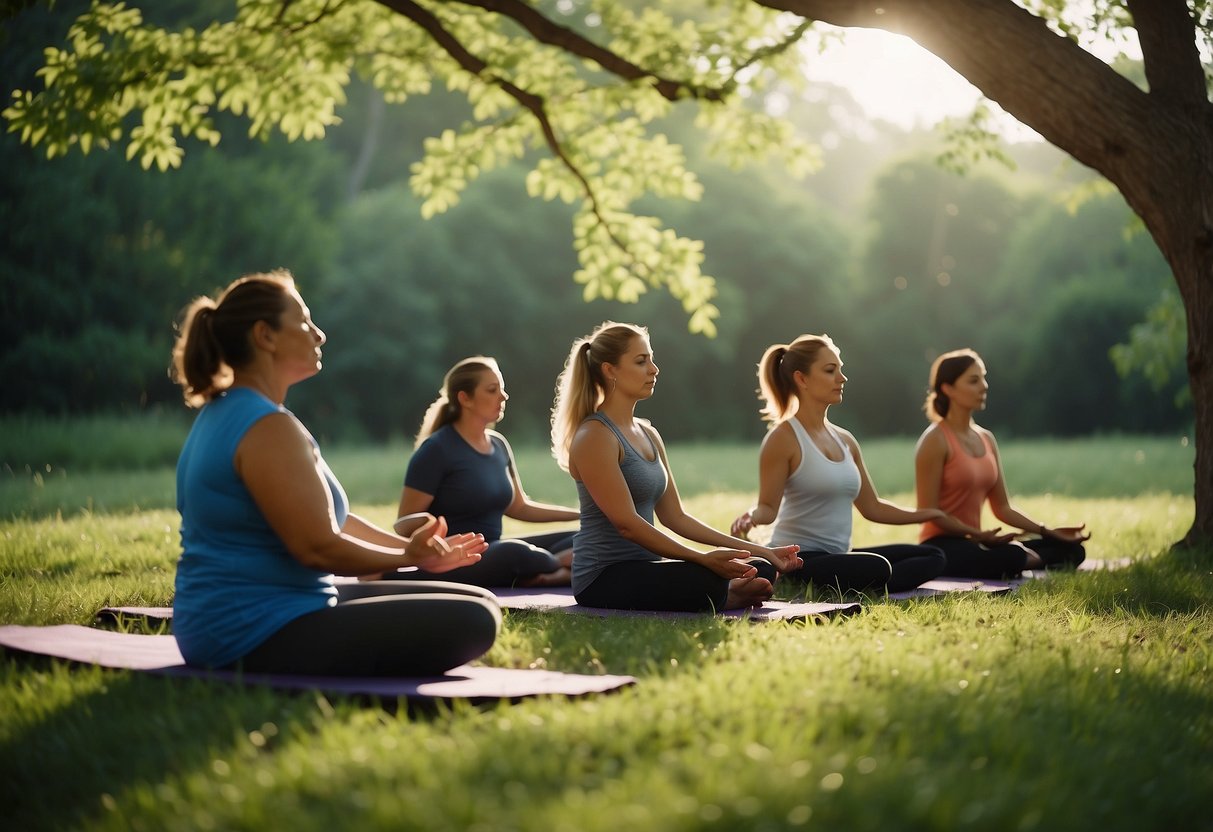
<point>780,439</point>
<point>932,440</point>
<point>592,434</point>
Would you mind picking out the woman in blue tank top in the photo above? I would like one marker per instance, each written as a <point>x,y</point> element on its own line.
<point>811,472</point>
<point>623,481</point>
<point>265,525</point>
<point>465,471</point>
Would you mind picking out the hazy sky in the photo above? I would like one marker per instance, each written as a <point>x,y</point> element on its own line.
<point>895,79</point>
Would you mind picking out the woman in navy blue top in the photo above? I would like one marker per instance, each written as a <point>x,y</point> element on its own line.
<point>623,481</point>
<point>265,525</point>
<point>464,470</point>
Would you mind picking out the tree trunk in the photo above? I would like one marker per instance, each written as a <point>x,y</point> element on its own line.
<point>1156,147</point>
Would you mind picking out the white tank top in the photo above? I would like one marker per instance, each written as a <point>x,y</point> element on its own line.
<point>817,499</point>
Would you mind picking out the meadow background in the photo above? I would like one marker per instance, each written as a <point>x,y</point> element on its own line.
<point>1079,701</point>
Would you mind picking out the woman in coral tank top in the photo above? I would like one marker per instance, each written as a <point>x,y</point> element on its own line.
<point>957,469</point>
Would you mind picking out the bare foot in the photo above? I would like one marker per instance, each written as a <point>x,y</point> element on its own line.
<point>561,577</point>
<point>564,558</point>
<point>748,592</point>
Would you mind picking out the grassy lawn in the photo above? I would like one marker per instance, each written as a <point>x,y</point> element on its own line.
<point>1081,701</point>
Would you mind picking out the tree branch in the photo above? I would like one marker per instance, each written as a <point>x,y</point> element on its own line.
<point>553,34</point>
<point>529,101</point>
<point>1172,61</point>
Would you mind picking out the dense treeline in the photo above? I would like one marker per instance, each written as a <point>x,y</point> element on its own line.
<point>892,255</point>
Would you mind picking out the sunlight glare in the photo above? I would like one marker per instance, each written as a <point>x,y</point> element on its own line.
<point>894,79</point>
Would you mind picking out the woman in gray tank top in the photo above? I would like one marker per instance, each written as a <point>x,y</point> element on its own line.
<point>811,473</point>
<point>623,481</point>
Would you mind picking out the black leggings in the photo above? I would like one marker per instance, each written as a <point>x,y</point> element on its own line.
<point>504,563</point>
<point>895,567</point>
<point>672,585</point>
<point>381,628</point>
<point>969,559</point>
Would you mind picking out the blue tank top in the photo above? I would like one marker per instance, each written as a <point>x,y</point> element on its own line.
<point>470,489</point>
<point>598,543</point>
<point>236,582</point>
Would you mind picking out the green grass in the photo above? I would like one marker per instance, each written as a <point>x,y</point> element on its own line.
<point>1098,467</point>
<point>1081,701</point>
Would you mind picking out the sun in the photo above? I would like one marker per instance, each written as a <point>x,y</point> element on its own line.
<point>891,76</point>
<point>894,79</point>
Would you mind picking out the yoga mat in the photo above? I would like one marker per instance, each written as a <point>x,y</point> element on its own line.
<point>944,586</point>
<point>159,655</point>
<point>562,600</point>
<point>151,615</point>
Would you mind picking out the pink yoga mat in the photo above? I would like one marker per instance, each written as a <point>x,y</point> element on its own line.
<point>562,600</point>
<point>159,655</point>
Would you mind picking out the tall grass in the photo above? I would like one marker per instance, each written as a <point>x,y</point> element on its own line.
<point>31,446</point>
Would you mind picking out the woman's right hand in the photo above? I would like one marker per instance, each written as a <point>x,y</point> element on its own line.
<point>432,551</point>
<point>727,563</point>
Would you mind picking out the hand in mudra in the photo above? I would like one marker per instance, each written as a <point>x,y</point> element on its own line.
<point>430,549</point>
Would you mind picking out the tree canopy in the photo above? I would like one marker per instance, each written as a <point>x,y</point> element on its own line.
<point>574,88</point>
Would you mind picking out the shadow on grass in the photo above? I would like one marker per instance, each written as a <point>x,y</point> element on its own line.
<point>588,644</point>
<point>1176,582</point>
<point>117,729</point>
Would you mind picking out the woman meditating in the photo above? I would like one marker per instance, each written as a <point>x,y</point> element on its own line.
<point>464,470</point>
<point>623,479</point>
<point>957,469</point>
<point>811,473</point>
<point>265,525</point>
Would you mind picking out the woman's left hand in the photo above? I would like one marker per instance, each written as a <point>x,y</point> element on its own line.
<point>741,526</point>
<point>784,557</point>
<point>431,551</point>
<point>1068,534</point>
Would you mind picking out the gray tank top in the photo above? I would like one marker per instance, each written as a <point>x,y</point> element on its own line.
<point>598,543</point>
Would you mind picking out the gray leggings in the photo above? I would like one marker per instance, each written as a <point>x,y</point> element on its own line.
<point>382,628</point>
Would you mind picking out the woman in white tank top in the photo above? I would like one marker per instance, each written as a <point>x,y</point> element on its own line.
<point>811,473</point>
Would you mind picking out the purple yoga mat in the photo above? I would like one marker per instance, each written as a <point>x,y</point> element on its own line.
<point>562,600</point>
<point>159,655</point>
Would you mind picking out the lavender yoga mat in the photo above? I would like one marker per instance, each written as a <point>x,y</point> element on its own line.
<point>159,655</point>
<point>562,600</point>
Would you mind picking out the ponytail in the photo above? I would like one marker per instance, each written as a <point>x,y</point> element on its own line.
<point>777,374</point>
<point>581,387</point>
<point>464,377</point>
<point>946,369</point>
<point>213,338</point>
